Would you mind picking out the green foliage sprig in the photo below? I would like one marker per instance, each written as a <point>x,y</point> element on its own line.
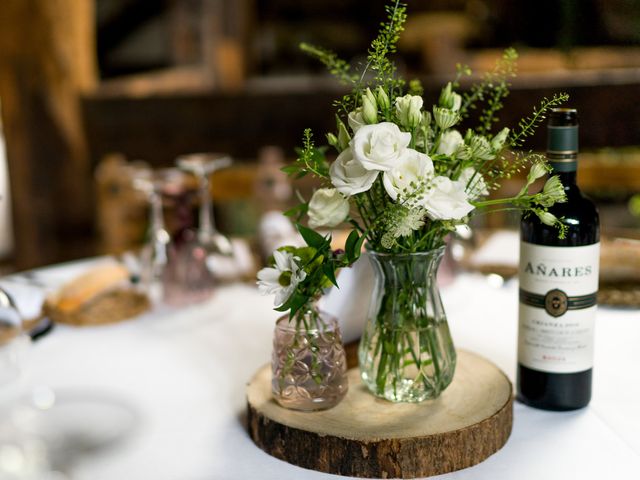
<point>528,125</point>
<point>320,264</point>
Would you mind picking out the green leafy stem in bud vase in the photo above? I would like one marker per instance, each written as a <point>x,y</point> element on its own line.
<point>297,276</point>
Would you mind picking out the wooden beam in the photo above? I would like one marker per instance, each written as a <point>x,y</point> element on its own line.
<point>47,60</point>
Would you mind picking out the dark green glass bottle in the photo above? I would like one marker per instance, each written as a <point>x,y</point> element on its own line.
<point>558,286</point>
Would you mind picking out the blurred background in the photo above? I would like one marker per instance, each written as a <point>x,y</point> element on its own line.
<point>89,86</point>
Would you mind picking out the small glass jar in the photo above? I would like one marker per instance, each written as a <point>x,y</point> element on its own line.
<point>309,364</point>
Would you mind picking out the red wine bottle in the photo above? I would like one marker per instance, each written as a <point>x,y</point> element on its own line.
<point>558,286</point>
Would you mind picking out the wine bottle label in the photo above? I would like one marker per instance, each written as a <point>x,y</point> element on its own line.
<point>558,289</point>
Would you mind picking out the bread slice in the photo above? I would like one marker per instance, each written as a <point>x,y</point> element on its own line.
<point>100,296</point>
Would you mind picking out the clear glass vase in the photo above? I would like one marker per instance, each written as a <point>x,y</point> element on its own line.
<point>309,364</point>
<point>406,353</point>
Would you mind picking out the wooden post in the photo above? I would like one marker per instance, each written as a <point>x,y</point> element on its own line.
<point>47,59</point>
<point>225,27</point>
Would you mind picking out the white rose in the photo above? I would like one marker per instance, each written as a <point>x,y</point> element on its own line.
<point>412,167</point>
<point>446,200</point>
<point>356,120</point>
<point>477,187</point>
<point>349,176</point>
<point>408,109</point>
<point>327,208</point>
<point>449,142</point>
<point>378,147</point>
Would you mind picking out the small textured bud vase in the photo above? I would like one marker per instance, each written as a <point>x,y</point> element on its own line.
<point>309,363</point>
<point>406,353</point>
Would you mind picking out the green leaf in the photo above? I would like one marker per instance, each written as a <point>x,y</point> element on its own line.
<point>297,301</point>
<point>358,247</point>
<point>297,211</point>
<point>329,270</point>
<point>312,238</point>
<point>350,245</point>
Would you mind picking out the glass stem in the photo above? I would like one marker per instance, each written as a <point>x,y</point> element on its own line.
<point>158,232</point>
<point>207,222</point>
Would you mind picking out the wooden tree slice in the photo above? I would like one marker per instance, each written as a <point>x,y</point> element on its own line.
<point>365,436</point>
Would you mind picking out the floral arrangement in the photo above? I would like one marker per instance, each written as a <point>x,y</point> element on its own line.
<point>405,176</point>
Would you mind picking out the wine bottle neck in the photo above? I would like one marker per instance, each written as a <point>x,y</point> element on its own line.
<point>562,148</point>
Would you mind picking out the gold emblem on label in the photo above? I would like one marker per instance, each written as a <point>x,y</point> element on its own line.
<point>556,302</point>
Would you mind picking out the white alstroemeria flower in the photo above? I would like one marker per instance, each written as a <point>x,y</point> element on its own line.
<point>473,183</point>
<point>356,120</point>
<point>450,141</point>
<point>327,208</point>
<point>378,147</point>
<point>281,279</point>
<point>446,200</point>
<point>409,110</point>
<point>412,167</point>
<point>349,176</point>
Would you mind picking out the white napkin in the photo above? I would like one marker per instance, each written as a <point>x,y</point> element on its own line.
<point>350,303</point>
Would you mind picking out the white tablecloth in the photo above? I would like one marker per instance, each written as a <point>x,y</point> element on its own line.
<point>184,373</point>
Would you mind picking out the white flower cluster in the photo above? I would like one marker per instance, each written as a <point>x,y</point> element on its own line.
<point>383,149</point>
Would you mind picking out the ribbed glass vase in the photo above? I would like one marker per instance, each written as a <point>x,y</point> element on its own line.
<point>406,353</point>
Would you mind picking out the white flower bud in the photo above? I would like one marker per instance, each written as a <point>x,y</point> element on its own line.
<point>369,110</point>
<point>383,98</point>
<point>355,119</point>
<point>450,99</point>
<point>332,140</point>
<point>538,170</point>
<point>546,217</point>
<point>497,142</point>
<point>409,110</point>
<point>343,135</point>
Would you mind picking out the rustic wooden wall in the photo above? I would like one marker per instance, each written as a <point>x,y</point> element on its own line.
<point>240,123</point>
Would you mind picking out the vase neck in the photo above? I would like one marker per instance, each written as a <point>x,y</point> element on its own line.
<point>400,270</point>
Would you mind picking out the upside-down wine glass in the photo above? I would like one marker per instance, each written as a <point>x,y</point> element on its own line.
<point>155,253</point>
<point>202,166</point>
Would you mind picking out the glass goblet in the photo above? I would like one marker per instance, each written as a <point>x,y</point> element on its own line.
<point>202,166</point>
<point>155,253</point>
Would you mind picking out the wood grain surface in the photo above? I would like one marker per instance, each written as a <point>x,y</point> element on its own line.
<point>365,436</point>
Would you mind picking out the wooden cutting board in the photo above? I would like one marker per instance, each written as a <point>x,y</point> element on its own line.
<point>365,436</point>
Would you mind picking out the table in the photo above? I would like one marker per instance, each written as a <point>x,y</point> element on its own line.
<point>184,373</point>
